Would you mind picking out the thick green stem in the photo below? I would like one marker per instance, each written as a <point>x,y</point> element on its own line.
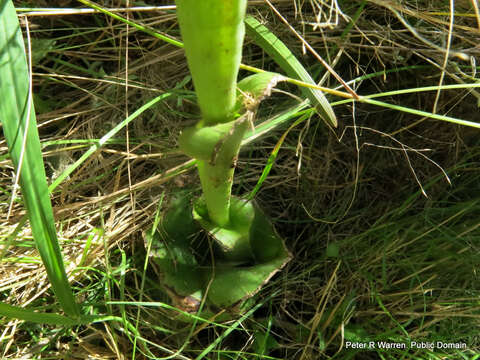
<point>213,32</point>
<point>217,188</point>
<point>217,157</point>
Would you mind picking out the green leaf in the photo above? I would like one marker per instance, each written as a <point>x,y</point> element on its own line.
<point>255,88</point>
<point>233,284</point>
<point>170,251</point>
<point>333,250</point>
<point>234,238</point>
<point>260,85</point>
<point>264,342</point>
<point>20,129</point>
<point>40,48</point>
<point>279,52</point>
<point>252,254</point>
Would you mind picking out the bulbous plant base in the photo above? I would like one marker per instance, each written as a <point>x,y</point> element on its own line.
<point>246,254</point>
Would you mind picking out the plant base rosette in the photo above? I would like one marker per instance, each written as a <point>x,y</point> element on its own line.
<point>248,252</point>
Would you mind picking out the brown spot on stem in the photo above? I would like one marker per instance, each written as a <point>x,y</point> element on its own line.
<point>234,162</point>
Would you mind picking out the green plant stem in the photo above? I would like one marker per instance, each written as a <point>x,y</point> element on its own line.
<point>217,188</point>
<point>213,33</point>
<point>216,174</point>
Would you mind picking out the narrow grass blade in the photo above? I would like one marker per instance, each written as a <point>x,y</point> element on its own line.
<point>274,47</point>
<point>273,156</point>
<point>105,138</point>
<point>145,29</point>
<point>16,312</point>
<point>265,127</point>
<point>426,114</point>
<point>227,332</point>
<point>423,113</point>
<point>308,83</point>
<point>19,126</point>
